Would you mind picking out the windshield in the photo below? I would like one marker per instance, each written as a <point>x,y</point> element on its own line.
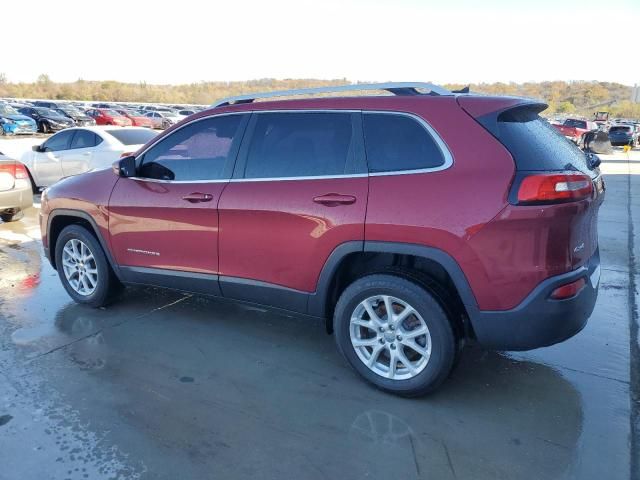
<point>7,110</point>
<point>47,112</point>
<point>132,136</point>
<point>113,113</point>
<point>70,111</point>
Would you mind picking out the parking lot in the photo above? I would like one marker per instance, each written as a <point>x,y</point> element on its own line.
<point>164,385</point>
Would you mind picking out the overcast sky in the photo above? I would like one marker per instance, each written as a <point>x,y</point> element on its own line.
<point>403,40</point>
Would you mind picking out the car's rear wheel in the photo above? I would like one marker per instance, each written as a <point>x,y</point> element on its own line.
<point>12,215</point>
<point>83,268</point>
<point>44,127</point>
<point>410,351</point>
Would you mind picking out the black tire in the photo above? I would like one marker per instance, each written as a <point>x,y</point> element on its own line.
<point>444,343</point>
<point>11,216</point>
<point>44,127</point>
<point>107,284</point>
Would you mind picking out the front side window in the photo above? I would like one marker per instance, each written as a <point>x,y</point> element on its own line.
<point>197,152</point>
<point>287,145</point>
<point>60,141</point>
<point>397,143</point>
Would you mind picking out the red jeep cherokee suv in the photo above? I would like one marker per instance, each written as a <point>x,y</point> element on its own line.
<point>412,222</point>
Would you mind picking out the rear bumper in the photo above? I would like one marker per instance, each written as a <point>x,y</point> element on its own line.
<point>540,321</point>
<point>20,199</point>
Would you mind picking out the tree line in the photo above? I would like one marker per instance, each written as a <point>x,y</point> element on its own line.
<point>578,97</point>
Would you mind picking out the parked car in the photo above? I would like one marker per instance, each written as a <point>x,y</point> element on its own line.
<point>15,189</point>
<point>186,113</point>
<point>47,120</point>
<point>81,119</point>
<point>623,134</point>
<point>574,129</point>
<point>161,120</point>
<point>78,150</point>
<point>370,212</point>
<point>137,118</point>
<point>109,116</point>
<point>14,123</point>
<point>48,104</point>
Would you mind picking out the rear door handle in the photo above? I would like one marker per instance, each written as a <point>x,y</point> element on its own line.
<point>334,199</point>
<point>198,197</point>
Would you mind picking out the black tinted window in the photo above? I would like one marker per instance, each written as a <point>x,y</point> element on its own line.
<point>199,151</point>
<point>397,142</point>
<point>85,139</point>
<point>59,141</point>
<point>535,144</point>
<point>299,145</point>
<point>132,136</point>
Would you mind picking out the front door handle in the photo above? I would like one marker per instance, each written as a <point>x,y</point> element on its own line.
<point>198,197</point>
<point>335,199</point>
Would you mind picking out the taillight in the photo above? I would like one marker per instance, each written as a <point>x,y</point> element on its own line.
<point>569,290</point>
<point>21,172</point>
<point>554,188</point>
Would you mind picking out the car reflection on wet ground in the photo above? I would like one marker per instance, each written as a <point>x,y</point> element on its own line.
<point>164,385</point>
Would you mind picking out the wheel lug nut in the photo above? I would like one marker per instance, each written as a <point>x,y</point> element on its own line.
<point>391,327</point>
<point>393,346</point>
<point>382,329</point>
<point>399,337</point>
<point>382,340</point>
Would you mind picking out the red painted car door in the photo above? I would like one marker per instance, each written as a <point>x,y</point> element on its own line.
<point>166,216</point>
<point>299,191</point>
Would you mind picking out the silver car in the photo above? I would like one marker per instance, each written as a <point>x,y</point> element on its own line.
<point>15,189</point>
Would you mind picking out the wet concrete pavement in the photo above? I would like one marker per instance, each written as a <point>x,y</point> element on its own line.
<point>163,385</point>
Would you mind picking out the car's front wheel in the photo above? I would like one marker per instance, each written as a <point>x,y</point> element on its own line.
<point>395,334</point>
<point>83,267</point>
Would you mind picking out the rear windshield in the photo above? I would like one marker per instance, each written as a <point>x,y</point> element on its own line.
<point>132,137</point>
<point>570,122</point>
<point>620,129</point>
<point>535,144</point>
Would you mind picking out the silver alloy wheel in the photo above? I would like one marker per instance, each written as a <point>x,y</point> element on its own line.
<point>80,268</point>
<point>390,337</point>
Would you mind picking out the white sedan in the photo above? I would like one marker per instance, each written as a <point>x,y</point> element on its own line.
<point>77,150</point>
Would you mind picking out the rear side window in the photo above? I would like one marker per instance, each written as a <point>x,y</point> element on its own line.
<point>299,145</point>
<point>534,143</point>
<point>397,142</point>
<point>200,151</point>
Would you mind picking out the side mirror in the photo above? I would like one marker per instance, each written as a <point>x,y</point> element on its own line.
<point>125,167</point>
<point>37,148</point>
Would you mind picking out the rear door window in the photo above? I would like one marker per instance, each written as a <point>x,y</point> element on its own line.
<point>85,139</point>
<point>396,142</point>
<point>306,144</point>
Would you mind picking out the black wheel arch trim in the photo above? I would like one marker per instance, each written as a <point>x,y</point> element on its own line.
<point>318,301</point>
<point>64,212</point>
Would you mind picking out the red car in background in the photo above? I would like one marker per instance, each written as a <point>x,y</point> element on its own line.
<point>574,129</point>
<point>107,116</point>
<point>137,118</point>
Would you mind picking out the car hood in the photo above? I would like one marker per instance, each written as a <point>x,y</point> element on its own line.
<point>17,117</point>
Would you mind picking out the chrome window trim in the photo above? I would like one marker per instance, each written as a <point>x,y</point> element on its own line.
<point>448,157</point>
